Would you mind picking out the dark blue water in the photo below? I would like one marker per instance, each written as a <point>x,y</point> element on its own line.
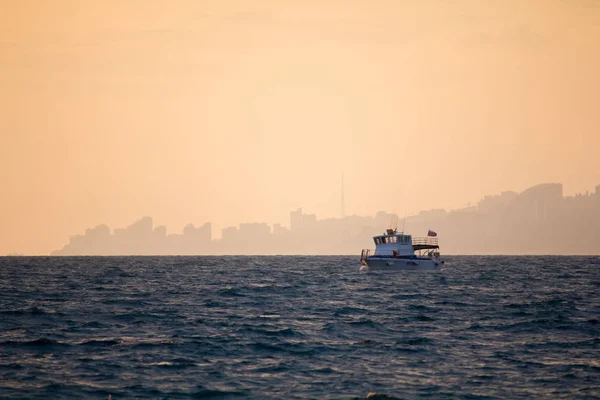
<point>298,327</point>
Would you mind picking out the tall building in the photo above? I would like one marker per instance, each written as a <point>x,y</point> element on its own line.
<point>300,221</point>
<point>343,205</point>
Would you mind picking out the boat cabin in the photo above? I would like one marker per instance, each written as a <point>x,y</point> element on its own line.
<point>393,243</point>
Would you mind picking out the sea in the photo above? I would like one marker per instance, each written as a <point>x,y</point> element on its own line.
<point>298,327</point>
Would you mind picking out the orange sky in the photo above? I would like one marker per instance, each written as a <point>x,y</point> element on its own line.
<point>239,111</point>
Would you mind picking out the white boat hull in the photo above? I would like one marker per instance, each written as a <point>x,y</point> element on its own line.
<point>394,264</point>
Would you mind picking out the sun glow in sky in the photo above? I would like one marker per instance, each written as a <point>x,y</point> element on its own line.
<point>238,111</point>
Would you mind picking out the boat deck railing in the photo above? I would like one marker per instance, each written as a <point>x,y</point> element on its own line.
<point>365,254</point>
<point>425,241</point>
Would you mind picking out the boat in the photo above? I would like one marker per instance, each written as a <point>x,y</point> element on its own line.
<point>397,251</point>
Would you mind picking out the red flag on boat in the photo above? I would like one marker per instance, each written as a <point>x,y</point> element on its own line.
<point>431,233</point>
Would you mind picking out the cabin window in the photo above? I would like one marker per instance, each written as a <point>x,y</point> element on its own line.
<point>377,241</point>
<point>393,239</point>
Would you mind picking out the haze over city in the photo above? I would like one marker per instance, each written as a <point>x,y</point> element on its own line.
<point>277,199</point>
<point>540,220</point>
<point>234,112</point>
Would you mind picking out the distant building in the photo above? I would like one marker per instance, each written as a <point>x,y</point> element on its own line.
<point>495,203</point>
<point>229,234</point>
<point>300,222</point>
<point>201,234</point>
<point>160,232</point>
<point>279,230</point>
<point>538,202</point>
<point>141,227</point>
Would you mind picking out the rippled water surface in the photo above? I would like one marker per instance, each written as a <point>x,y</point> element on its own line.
<point>298,327</point>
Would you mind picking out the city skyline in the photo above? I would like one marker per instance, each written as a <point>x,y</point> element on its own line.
<point>531,212</point>
<point>268,199</point>
<point>236,111</point>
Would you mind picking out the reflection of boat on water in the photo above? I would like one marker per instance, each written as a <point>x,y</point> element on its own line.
<point>397,251</point>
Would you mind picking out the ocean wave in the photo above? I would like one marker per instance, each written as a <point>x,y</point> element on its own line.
<point>298,327</point>
<point>35,343</point>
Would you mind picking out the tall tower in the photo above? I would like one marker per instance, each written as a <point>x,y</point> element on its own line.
<point>343,208</point>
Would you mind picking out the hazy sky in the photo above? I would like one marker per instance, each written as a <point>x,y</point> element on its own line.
<point>240,111</point>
